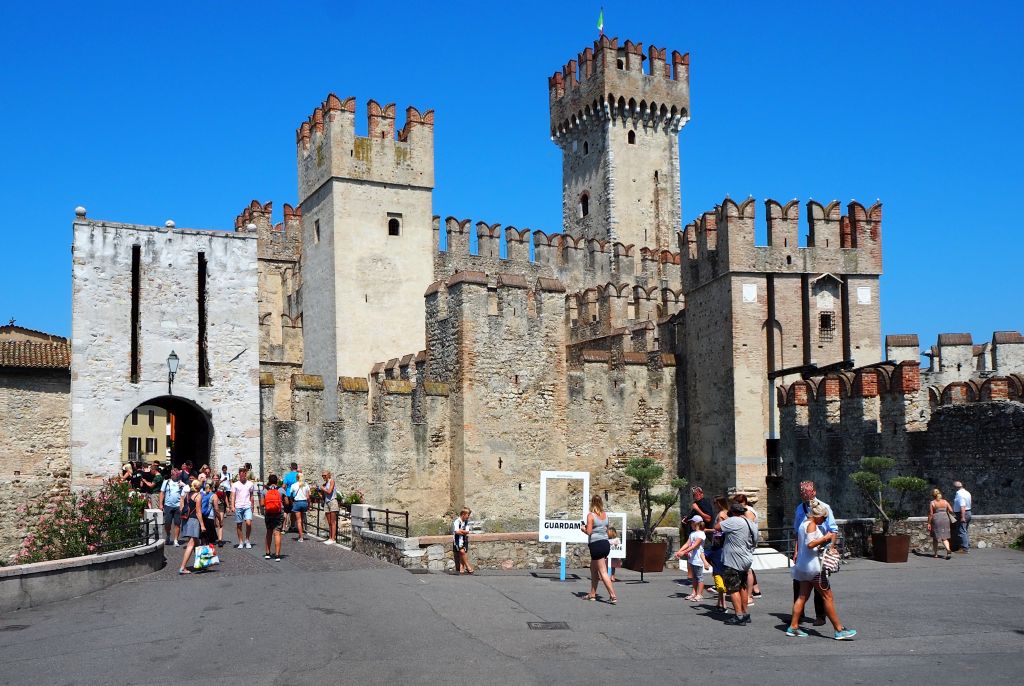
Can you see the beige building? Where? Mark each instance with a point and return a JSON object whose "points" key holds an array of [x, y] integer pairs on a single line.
{"points": [[145, 436]]}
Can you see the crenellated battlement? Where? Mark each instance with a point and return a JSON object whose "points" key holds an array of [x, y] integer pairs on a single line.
{"points": [[721, 241], [620, 309], [955, 357], [327, 145], [281, 241], [612, 82]]}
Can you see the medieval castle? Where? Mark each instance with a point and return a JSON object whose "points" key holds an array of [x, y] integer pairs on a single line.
{"points": [[363, 334]]}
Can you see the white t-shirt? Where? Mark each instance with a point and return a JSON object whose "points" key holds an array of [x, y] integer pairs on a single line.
{"points": [[963, 498], [242, 493], [458, 525], [225, 481], [693, 557], [299, 491], [808, 562]]}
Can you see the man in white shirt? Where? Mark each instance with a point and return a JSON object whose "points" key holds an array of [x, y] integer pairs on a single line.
{"points": [[460, 532], [962, 508], [241, 504]]}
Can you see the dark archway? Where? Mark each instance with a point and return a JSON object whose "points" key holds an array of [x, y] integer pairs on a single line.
{"points": [[191, 430]]}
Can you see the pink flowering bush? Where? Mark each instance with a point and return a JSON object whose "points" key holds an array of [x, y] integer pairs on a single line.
{"points": [[77, 524]]}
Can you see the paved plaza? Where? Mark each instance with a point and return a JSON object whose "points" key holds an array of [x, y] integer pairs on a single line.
{"points": [[327, 615]]}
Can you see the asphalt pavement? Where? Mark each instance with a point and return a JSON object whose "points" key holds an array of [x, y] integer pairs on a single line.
{"points": [[325, 615]]}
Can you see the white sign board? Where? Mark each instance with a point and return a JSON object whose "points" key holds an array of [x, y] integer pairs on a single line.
{"points": [[750, 292], [618, 520], [863, 295], [564, 502]]}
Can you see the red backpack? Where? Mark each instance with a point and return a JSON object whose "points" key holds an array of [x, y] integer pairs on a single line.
{"points": [[272, 502]]}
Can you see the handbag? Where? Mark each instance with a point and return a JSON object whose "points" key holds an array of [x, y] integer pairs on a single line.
{"points": [[829, 560]]}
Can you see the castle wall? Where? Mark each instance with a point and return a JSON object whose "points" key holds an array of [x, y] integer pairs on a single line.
{"points": [[968, 430], [35, 449], [393, 447], [102, 392]]}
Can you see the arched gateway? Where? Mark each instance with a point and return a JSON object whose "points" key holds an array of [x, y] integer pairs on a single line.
{"points": [[167, 320], [184, 427]]}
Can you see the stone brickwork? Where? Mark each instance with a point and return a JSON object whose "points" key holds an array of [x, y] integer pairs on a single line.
{"points": [[970, 429], [103, 391], [35, 456], [987, 531]]}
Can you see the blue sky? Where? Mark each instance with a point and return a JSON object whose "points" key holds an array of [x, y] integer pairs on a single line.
{"points": [[143, 112]]}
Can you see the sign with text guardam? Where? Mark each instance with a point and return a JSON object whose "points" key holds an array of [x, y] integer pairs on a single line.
{"points": [[564, 502]]}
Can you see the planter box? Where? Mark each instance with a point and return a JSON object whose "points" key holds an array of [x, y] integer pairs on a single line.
{"points": [[646, 557], [894, 548]]}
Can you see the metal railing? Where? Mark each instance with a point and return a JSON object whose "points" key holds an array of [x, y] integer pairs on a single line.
{"points": [[316, 524], [399, 529], [146, 531]]}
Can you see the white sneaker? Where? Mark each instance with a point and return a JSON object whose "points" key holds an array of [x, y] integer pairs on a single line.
{"points": [[239, 546], [248, 544], [328, 542]]}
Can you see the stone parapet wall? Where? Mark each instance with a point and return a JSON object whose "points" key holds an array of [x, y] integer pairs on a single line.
{"points": [[986, 531]]}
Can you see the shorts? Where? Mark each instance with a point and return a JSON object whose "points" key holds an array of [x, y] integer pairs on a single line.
{"points": [[463, 546], [599, 549], [172, 516], [243, 514], [333, 506], [300, 505], [734, 579], [275, 522]]}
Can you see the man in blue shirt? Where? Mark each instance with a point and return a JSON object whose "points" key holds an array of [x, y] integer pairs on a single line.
{"points": [[287, 481], [807, 494], [170, 502]]}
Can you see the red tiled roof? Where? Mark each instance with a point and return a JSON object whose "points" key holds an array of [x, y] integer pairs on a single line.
{"points": [[32, 355]]}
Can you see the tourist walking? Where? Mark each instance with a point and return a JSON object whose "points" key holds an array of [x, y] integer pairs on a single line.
{"points": [[273, 516], [596, 529], [220, 498], [614, 542], [693, 551], [241, 505], [193, 527], [171, 494], [940, 517], [209, 506], [739, 538], [962, 502], [808, 492], [287, 481], [299, 496], [331, 507], [700, 507], [811, 541], [753, 588], [151, 482], [460, 546]]}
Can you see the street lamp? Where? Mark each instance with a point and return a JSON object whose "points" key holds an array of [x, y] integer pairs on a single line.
{"points": [[172, 369]]}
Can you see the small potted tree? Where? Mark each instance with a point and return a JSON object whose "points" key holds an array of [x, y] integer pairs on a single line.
{"points": [[887, 498], [648, 554]]}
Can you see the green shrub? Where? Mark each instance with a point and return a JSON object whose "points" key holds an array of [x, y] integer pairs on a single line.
{"points": [[877, 491], [76, 524]]}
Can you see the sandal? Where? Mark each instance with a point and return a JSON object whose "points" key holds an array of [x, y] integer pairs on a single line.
{"points": [[184, 571], [590, 597], [697, 599], [613, 601]]}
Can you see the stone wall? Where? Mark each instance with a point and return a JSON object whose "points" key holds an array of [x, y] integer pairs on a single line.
{"points": [[35, 453], [103, 392], [986, 531]]}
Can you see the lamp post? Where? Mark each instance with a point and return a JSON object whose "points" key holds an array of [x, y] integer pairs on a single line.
{"points": [[172, 369]]}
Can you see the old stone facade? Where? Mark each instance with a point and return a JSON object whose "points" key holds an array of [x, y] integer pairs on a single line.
{"points": [[35, 458], [140, 293], [960, 419]]}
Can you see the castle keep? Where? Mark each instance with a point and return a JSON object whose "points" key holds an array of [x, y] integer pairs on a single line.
{"points": [[365, 335]]}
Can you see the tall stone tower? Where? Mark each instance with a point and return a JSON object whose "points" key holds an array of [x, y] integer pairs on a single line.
{"points": [[367, 233], [617, 122], [757, 316]]}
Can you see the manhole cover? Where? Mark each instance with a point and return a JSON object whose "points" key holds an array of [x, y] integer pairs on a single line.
{"points": [[14, 627], [548, 626]]}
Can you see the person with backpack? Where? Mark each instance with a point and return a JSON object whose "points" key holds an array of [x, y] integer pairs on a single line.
{"points": [[273, 515], [194, 527], [209, 504], [739, 539], [171, 493]]}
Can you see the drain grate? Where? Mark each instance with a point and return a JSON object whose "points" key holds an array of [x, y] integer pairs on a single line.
{"points": [[548, 626]]}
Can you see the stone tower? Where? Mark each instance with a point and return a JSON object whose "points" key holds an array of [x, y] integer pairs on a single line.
{"points": [[367, 232], [617, 122], [754, 312]]}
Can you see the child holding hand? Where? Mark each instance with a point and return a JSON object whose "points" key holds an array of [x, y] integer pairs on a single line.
{"points": [[693, 550]]}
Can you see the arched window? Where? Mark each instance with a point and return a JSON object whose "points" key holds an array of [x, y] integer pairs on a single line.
{"points": [[584, 205], [394, 224], [631, 137]]}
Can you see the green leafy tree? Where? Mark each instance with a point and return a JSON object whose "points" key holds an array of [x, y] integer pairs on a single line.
{"points": [[646, 473], [880, 493]]}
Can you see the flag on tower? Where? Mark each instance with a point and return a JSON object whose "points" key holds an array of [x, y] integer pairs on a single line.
{"points": [[600, 21]]}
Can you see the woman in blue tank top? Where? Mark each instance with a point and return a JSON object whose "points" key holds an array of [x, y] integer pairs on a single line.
{"points": [[596, 529]]}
